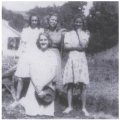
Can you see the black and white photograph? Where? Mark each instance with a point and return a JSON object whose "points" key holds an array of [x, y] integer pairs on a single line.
{"points": [[60, 59]]}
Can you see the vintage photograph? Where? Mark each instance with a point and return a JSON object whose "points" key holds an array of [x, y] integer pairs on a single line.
{"points": [[60, 60]]}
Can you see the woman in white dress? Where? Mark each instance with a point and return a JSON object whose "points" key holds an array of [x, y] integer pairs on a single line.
{"points": [[76, 68], [41, 66], [29, 36]]}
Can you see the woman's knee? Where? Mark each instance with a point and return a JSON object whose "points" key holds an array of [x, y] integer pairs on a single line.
{"points": [[83, 86]]}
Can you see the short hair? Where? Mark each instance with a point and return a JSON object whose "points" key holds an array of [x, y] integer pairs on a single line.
{"points": [[45, 34]]}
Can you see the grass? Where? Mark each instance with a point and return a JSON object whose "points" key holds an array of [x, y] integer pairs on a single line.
{"points": [[102, 96]]}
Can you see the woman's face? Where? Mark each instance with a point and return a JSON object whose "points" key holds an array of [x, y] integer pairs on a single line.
{"points": [[78, 23], [43, 42], [53, 21], [34, 21]]}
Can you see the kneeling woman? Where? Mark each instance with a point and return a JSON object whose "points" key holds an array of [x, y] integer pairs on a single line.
{"points": [[41, 66]]}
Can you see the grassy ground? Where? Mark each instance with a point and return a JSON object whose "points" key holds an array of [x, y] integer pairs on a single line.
{"points": [[102, 96]]}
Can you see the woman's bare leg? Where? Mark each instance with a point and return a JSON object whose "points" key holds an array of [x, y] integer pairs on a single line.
{"points": [[83, 98], [18, 93], [69, 99], [19, 88]]}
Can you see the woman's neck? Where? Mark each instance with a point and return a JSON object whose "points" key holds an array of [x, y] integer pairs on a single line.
{"points": [[78, 29], [33, 27], [52, 29], [44, 50]]}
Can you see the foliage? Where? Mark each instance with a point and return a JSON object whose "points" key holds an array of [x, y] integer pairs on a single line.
{"points": [[69, 10], [103, 26], [16, 20]]}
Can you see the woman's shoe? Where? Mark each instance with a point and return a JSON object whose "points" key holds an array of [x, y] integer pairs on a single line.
{"points": [[85, 112], [14, 104], [68, 110]]}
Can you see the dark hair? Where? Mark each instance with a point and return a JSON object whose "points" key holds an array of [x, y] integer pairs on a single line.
{"points": [[82, 18], [30, 17], [58, 22], [45, 34], [53, 14]]}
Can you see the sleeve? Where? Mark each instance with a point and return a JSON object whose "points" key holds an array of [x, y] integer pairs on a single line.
{"points": [[23, 43]]}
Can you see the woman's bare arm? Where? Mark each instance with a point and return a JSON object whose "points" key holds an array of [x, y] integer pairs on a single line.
{"points": [[70, 48]]}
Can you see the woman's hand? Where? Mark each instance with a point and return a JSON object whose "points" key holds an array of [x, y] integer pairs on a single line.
{"points": [[41, 93]]}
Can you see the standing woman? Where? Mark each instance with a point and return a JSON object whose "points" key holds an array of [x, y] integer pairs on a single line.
{"points": [[76, 68], [56, 35], [28, 44]]}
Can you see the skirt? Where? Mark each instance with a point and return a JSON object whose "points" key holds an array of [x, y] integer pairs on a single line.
{"points": [[76, 69], [23, 70]]}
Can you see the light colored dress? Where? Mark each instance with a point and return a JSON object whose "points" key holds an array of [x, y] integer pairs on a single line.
{"points": [[29, 37], [76, 68], [42, 69]]}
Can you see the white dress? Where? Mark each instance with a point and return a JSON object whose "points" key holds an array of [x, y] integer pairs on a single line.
{"points": [[76, 68], [42, 69], [29, 37]]}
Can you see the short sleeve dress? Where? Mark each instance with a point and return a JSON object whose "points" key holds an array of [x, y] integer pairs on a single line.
{"points": [[76, 68]]}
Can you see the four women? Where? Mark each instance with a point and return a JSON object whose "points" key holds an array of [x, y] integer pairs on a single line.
{"points": [[42, 63]]}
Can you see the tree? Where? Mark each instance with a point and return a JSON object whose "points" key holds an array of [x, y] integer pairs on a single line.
{"points": [[69, 10], [103, 26], [7, 14], [15, 20]]}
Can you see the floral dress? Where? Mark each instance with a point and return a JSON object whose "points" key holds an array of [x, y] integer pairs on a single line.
{"points": [[76, 68]]}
